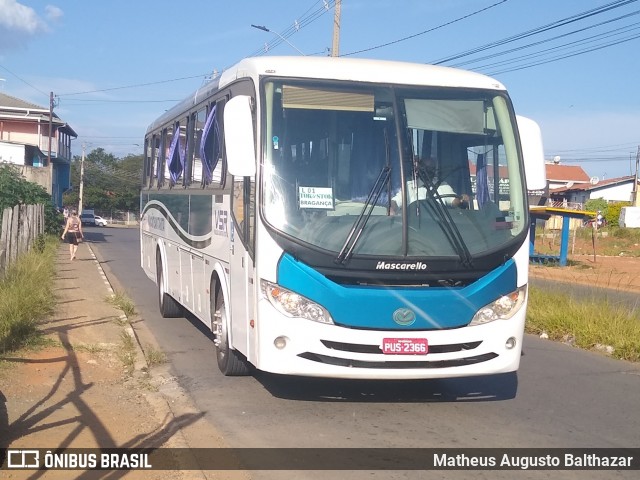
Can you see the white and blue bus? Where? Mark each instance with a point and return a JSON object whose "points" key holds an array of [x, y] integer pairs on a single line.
{"points": [[344, 218]]}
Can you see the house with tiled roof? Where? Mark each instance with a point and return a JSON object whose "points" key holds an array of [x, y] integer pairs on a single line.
{"points": [[38, 142], [612, 190], [570, 185], [560, 176]]}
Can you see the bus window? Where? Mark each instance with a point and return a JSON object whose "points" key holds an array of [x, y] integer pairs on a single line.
{"points": [[175, 157], [238, 204], [211, 147], [161, 155], [168, 134], [146, 171], [244, 199], [198, 127], [189, 150], [155, 160]]}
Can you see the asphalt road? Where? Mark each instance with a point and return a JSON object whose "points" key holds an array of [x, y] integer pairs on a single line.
{"points": [[561, 397]]}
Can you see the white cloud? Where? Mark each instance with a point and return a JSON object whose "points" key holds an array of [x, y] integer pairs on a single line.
{"points": [[19, 24], [53, 13]]}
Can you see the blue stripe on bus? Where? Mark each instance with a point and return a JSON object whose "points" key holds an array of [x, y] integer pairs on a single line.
{"points": [[373, 307]]}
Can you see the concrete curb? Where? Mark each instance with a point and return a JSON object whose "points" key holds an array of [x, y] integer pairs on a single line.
{"points": [[159, 402]]}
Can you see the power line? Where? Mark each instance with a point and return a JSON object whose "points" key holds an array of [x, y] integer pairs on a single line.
{"points": [[563, 57], [602, 148], [132, 86], [92, 103], [547, 40], [426, 31], [113, 173], [96, 136], [565, 46], [306, 19], [24, 81], [537, 30]]}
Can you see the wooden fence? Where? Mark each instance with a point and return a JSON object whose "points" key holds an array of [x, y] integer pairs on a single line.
{"points": [[21, 225]]}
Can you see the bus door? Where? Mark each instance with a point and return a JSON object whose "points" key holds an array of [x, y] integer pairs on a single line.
{"points": [[241, 263]]}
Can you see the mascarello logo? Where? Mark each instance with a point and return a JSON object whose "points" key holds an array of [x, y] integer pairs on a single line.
{"points": [[401, 266], [404, 317]]}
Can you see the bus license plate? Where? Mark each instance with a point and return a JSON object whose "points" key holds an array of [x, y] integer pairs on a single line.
{"points": [[405, 346]]}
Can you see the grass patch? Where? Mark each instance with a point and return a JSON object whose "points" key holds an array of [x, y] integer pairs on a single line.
{"points": [[123, 302], [154, 356], [89, 348], [127, 353], [590, 323], [609, 241], [26, 296]]}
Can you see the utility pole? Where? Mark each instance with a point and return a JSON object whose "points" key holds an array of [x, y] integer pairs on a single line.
{"points": [[636, 197], [81, 182], [336, 30], [50, 126]]}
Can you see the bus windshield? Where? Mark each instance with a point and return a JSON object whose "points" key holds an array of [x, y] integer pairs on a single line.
{"points": [[392, 170]]}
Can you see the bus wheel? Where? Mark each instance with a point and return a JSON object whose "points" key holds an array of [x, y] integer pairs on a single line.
{"points": [[169, 307], [230, 362]]}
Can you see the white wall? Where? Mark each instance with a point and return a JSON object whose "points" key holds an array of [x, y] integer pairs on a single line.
{"points": [[11, 153], [615, 193]]}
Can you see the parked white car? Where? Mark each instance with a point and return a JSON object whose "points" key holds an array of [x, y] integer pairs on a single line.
{"points": [[100, 222]]}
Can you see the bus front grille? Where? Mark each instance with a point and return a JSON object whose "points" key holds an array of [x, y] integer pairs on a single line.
{"points": [[404, 364], [375, 349]]}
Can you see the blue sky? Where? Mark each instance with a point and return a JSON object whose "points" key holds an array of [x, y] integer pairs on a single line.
{"points": [[116, 65]]}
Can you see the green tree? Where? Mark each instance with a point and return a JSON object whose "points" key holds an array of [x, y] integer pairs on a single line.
{"points": [[613, 213], [597, 205], [15, 190], [109, 182]]}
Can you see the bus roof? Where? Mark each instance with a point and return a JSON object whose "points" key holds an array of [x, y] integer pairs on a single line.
{"points": [[358, 70], [332, 68]]}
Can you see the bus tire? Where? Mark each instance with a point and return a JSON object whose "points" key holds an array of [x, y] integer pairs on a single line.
{"points": [[230, 362], [169, 307]]}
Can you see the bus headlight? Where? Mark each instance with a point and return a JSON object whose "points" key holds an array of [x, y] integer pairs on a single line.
{"points": [[292, 304], [502, 309]]}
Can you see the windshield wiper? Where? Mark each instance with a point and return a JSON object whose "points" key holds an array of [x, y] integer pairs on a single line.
{"points": [[450, 229], [363, 218]]}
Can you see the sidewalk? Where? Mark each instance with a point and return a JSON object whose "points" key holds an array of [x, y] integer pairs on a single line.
{"points": [[87, 389]]}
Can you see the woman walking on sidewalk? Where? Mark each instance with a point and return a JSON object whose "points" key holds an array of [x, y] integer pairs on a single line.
{"points": [[73, 233]]}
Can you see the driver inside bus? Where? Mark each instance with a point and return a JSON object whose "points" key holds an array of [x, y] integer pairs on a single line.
{"points": [[427, 171]]}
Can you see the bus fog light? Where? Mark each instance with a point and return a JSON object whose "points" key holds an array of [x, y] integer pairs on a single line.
{"points": [[510, 343], [280, 342]]}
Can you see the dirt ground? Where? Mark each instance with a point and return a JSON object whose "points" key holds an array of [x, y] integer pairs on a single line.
{"points": [[609, 272], [615, 264], [94, 386]]}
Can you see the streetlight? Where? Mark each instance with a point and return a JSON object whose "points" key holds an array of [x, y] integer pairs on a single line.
{"points": [[265, 29]]}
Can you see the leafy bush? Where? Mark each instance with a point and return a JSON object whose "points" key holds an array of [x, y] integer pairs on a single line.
{"points": [[613, 213], [595, 204], [15, 190]]}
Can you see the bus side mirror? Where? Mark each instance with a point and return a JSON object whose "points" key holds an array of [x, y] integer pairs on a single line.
{"points": [[238, 137], [533, 153]]}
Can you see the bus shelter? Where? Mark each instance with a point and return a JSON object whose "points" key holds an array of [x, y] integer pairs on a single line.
{"points": [[543, 213]]}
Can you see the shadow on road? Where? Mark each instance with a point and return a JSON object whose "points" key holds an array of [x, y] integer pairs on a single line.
{"points": [[469, 389]]}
